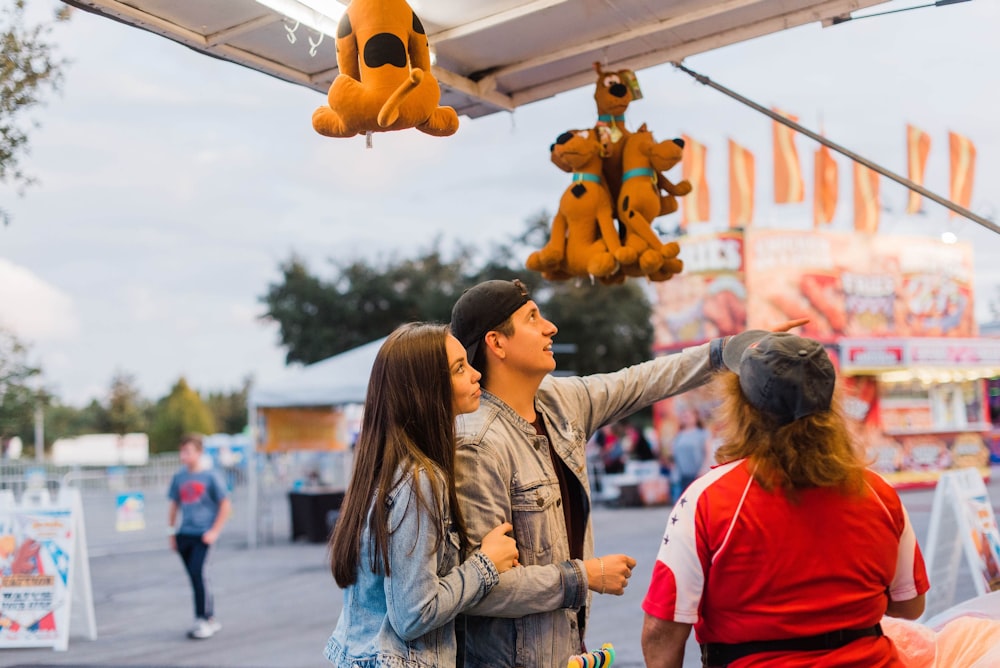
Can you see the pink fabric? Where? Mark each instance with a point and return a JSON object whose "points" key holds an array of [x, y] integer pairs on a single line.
{"points": [[963, 642]]}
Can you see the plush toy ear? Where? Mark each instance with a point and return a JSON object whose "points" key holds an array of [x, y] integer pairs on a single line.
{"points": [[597, 68], [642, 128]]}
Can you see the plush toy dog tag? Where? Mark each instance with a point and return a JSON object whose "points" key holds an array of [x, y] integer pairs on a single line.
{"points": [[633, 83]]}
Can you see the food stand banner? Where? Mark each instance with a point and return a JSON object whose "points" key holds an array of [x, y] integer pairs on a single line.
{"points": [[849, 285], [868, 355], [859, 285], [706, 300], [288, 429]]}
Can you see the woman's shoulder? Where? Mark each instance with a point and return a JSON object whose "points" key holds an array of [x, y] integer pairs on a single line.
{"points": [[415, 477]]}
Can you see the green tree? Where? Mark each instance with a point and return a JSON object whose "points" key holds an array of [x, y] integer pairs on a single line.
{"points": [[17, 396], [180, 412], [609, 325], [29, 67], [230, 408], [63, 421], [126, 410], [363, 302]]}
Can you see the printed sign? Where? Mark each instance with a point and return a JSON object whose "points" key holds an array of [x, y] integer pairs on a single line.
{"points": [[130, 513], [43, 560]]}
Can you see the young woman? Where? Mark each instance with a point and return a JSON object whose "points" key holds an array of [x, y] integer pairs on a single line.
{"points": [[398, 547]]}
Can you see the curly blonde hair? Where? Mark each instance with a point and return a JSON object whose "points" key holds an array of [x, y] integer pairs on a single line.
{"points": [[813, 451]]}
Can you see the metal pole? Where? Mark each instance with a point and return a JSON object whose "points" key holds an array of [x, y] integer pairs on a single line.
{"points": [[39, 432], [252, 478], [962, 211]]}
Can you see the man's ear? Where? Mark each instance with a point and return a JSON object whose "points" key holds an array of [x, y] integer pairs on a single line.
{"points": [[495, 343]]}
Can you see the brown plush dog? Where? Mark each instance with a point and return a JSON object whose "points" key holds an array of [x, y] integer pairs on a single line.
{"points": [[583, 240], [613, 95], [640, 201], [385, 81]]}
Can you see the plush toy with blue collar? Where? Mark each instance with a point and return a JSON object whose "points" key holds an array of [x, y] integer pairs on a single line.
{"points": [[583, 240]]}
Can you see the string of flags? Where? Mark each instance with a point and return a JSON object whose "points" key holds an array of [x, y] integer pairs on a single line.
{"points": [[789, 185]]}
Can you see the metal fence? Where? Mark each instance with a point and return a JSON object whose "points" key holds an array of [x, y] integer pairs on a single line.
{"points": [[261, 513]]}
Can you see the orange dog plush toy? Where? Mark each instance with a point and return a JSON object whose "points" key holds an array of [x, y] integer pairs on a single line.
{"points": [[640, 201], [583, 240], [614, 93], [385, 81]]}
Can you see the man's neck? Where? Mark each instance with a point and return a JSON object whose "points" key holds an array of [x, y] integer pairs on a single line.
{"points": [[518, 393]]}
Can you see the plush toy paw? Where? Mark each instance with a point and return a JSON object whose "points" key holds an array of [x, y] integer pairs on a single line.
{"points": [[626, 255], [329, 123], [602, 264], [650, 262]]}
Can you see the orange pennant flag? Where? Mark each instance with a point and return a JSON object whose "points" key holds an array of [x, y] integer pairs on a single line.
{"points": [[696, 203], [741, 185], [963, 170], [866, 201], [918, 145], [788, 184], [827, 185]]}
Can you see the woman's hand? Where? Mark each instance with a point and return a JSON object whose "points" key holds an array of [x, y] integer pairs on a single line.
{"points": [[500, 548]]}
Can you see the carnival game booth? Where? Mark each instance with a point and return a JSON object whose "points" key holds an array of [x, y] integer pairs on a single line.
{"points": [[894, 312], [304, 426]]}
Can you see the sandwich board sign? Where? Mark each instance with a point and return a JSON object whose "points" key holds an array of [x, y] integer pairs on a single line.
{"points": [[962, 522], [44, 570]]}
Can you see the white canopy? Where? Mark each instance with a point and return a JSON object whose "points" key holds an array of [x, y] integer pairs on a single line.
{"points": [[337, 380], [492, 55]]}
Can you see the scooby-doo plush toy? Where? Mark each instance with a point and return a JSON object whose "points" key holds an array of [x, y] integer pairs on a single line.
{"points": [[583, 241], [385, 81], [613, 94], [640, 201]]}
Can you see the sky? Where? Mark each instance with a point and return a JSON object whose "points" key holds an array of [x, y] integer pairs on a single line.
{"points": [[173, 185]]}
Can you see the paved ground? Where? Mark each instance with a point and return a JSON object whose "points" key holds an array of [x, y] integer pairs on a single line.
{"points": [[278, 603]]}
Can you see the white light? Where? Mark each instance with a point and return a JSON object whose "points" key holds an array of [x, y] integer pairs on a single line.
{"points": [[949, 237], [321, 15]]}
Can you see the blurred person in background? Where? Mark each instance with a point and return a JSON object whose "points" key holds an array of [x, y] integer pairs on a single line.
{"points": [[198, 492]]}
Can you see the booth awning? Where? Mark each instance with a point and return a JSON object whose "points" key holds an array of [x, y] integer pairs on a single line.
{"points": [[335, 381], [492, 55]]}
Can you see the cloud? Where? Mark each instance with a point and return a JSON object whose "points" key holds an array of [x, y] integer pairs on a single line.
{"points": [[32, 308]]}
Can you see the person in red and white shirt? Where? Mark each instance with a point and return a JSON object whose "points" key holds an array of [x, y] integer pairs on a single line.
{"points": [[790, 551]]}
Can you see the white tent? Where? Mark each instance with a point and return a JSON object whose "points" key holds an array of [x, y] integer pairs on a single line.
{"points": [[341, 379]]}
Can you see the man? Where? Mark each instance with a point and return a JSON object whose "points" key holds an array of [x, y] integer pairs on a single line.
{"points": [[521, 458], [790, 551]]}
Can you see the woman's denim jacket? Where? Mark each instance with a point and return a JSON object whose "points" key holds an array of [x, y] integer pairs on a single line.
{"points": [[504, 473], [408, 618]]}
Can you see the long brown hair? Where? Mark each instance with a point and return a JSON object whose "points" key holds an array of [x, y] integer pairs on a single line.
{"points": [[408, 423], [814, 451]]}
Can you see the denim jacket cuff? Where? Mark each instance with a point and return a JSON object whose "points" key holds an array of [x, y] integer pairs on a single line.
{"points": [[574, 584], [488, 572], [715, 353]]}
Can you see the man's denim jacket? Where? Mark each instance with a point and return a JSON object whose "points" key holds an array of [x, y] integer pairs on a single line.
{"points": [[504, 473], [408, 619]]}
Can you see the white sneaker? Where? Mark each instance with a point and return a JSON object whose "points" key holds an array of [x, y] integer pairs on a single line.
{"points": [[202, 629], [215, 624]]}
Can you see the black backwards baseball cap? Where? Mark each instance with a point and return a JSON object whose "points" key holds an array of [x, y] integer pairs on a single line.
{"points": [[482, 308], [781, 374]]}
